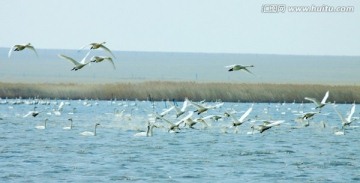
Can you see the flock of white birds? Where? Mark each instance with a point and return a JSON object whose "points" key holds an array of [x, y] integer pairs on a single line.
{"points": [[80, 64], [77, 64], [173, 118]]}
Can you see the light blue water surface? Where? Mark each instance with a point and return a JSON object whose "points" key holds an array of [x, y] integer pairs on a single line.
{"points": [[286, 153]]}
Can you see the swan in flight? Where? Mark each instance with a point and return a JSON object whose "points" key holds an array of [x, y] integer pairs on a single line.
{"points": [[71, 125], [87, 133], [41, 127], [181, 111], [241, 120], [20, 47], [97, 46], [201, 108], [266, 125], [175, 126], [237, 67], [78, 65], [149, 131], [98, 59], [348, 120], [318, 104], [33, 113]]}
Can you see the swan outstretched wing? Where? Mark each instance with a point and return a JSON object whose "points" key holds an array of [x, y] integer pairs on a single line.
{"points": [[341, 117], [107, 49], [323, 101], [10, 51], [246, 114], [316, 102], [185, 104], [247, 70], [274, 123], [33, 49], [352, 111], [112, 62], [167, 111], [185, 118], [84, 59], [69, 59]]}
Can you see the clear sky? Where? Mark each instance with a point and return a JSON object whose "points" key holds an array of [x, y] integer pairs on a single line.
{"points": [[228, 26]]}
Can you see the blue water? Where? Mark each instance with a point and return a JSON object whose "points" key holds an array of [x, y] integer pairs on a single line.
{"points": [[286, 153]]}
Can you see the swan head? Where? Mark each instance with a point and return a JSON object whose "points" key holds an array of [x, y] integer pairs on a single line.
{"points": [[97, 124], [70, 119]]}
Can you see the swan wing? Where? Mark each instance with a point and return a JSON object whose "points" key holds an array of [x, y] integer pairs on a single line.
{"points": [[10, 51], [242, 118], [167, 111], [341, 117], [312, 100], [352, 111], [83, 61], [247, 70], [112, 62], [323, 101], [185, 118], [28, 114], [33, 49], [69, 59], [61, 106], [162, 118], [274, 123], [107, 49], [197, 105], [185, 104]]}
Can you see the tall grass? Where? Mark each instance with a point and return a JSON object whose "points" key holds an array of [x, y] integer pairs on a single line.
{"points": [[162, 90]]}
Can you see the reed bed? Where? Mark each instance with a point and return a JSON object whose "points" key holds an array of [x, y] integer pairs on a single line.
{"points": [[163, 90]]}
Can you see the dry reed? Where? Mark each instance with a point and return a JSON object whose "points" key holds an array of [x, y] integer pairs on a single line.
{"points": [[163, 90]]}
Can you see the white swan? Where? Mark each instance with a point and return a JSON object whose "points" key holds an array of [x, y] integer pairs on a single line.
{"points": [[318, 104], [71, 125], [348, 120], [266, 125], [98, 59], [20, 47], [175, 126], [33, 113], [42, 127], [78, 65], [88, 133], [181, 111], [148, 133], [201, 108], [98, 45], [241, 120], [237, 67]]}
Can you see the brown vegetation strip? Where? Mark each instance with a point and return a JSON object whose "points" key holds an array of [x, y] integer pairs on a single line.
{"points": [[162, 90]]}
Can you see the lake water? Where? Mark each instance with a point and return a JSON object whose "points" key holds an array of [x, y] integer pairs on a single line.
{"points": [[285, 153]]}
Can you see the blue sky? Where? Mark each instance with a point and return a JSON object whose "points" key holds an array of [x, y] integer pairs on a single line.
{"points": [[214, 26]]}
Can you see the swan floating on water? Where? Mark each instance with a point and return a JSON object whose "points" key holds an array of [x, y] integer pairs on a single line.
{"points": [[149, 131], [88, 133], [71, 125], [78, 65], [20, 47], [42, 127]]}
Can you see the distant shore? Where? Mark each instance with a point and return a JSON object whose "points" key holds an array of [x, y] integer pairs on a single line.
{"points": [[167, 90]]}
